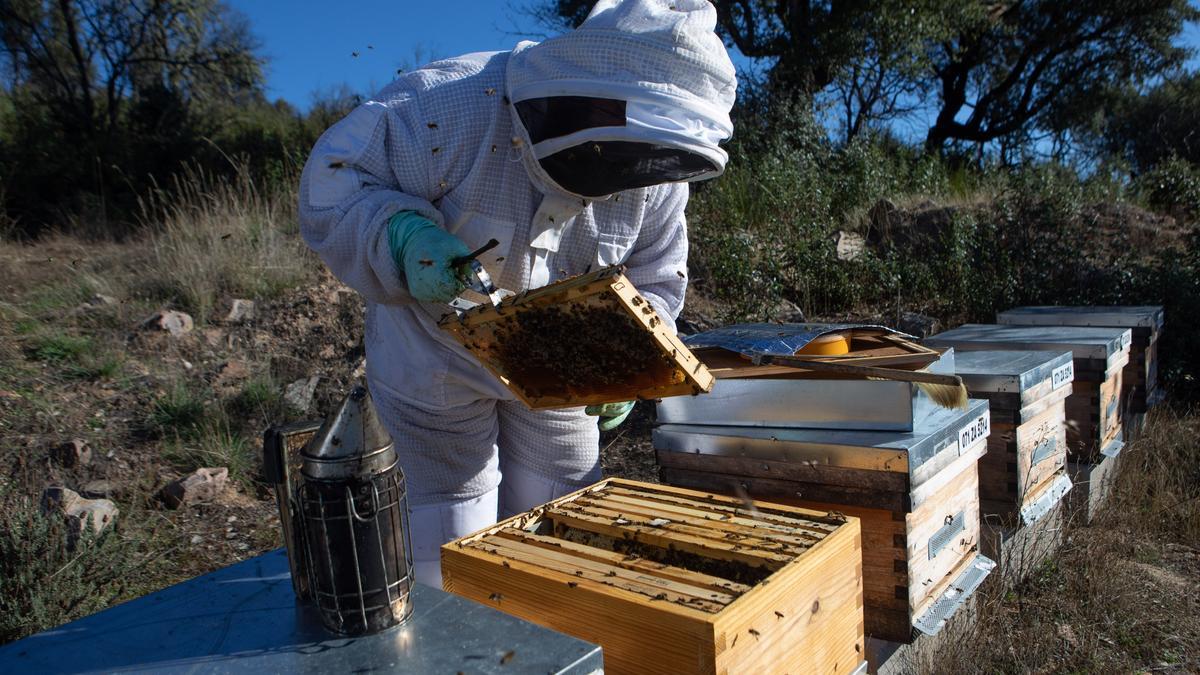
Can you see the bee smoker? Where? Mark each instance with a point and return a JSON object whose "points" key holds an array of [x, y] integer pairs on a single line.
{"points": [[347, 523]]}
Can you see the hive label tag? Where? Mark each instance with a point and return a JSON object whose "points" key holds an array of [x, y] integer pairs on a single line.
{"points": [[1062, 375], [979, 428]]}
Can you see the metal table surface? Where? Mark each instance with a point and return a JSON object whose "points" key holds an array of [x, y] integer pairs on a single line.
{"points": [[245, 618]]}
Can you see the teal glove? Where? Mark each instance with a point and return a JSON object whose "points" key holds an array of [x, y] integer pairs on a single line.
{"points": [[424, 251], [611, 414]]}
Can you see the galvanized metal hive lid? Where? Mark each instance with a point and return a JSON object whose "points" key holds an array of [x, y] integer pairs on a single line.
{"points": [[1085, 342], [778, 339], [1124, 316], [902, 451], [352, 441], [1008, 371]]}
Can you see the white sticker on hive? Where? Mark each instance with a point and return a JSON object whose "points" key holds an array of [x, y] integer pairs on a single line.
{"points": [[979, 428], [1063, 374]]}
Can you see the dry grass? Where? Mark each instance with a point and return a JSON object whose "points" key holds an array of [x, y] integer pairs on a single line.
{"points": [[218, 237], [1123, 593]]}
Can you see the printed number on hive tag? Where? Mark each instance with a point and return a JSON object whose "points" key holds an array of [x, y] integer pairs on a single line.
{"points": [[1062, 375], [970, 434]]}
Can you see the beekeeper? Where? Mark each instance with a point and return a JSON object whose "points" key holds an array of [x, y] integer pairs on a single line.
{"points": [[574, 153]]}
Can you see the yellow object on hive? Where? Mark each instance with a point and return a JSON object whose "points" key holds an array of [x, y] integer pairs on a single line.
{"points": [[831, 344]]}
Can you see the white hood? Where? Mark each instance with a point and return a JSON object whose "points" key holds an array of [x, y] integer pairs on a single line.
{"points": [[662, 57]]}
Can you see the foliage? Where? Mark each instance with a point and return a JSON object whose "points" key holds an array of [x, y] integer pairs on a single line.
{"points": [[44, 581], [942, 239], [1173, 186], [224, 236], [1147, 128], [1023, 64]]}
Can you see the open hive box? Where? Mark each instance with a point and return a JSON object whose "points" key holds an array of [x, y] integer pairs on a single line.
{"points": [[583, 341], [676, 581], [780, 396], [916, 494]]}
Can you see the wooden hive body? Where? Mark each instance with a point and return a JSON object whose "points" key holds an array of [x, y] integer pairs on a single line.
{"points": [[1024, 472], [915, 493], [1093, 409], [676, 581], [1140, 388], [583, 341]]}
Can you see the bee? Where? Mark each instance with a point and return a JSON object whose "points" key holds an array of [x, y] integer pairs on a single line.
{"points": [[425, 262], [436, 150], [354, 54], [508, 656], [490, 91], [432, 125], [754, 633]]}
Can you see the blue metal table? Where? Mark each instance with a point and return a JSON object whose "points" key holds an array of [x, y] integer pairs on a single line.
{"points": [[245, 618]]}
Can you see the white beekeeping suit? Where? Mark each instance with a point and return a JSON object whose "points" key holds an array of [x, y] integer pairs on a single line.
{"points": [[572, 153]]}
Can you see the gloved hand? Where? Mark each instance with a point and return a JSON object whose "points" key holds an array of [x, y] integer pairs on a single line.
{"points": [[424, 251], [611, 414]]}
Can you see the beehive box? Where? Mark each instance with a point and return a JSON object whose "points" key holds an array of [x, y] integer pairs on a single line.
{"points": [[1140, 377], [1093, 408], [1024, 473], [790, 398], [582, 341], [676, 581], [916, 493]]}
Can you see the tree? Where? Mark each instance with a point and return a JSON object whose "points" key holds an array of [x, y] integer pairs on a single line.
{"points": [[1017, 65], [107, 91]]}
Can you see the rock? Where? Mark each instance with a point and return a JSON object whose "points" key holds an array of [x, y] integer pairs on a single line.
{"points": [[79, 512], [99, 489], [919, 325], [101, 300], [171, 321], [241, 311], [299, 394], [850, 245], [73, 453], [200, 487], [787, 312], [228, 374]]}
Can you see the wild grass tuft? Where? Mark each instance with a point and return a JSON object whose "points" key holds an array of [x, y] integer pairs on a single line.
{"points": [[224, 237], [182, 413]]}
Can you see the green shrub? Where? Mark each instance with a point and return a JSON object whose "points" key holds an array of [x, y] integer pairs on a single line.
{"points": [[45, 582]]}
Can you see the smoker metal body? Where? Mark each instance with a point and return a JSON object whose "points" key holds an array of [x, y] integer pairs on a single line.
{"points": [[344, 512], [245, 619], [806, 403]]}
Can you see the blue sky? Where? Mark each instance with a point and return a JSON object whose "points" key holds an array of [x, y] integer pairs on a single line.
{"points": [[310, 44]]}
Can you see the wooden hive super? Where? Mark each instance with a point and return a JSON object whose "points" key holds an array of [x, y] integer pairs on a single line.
{"points": [[1024, 472], [1023, 478], [676, 581], [1094, 406], [916, 493], [1140, 377], [582, 341]]}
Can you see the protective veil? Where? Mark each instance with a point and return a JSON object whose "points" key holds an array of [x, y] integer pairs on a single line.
{"points": [[450, 142]]}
